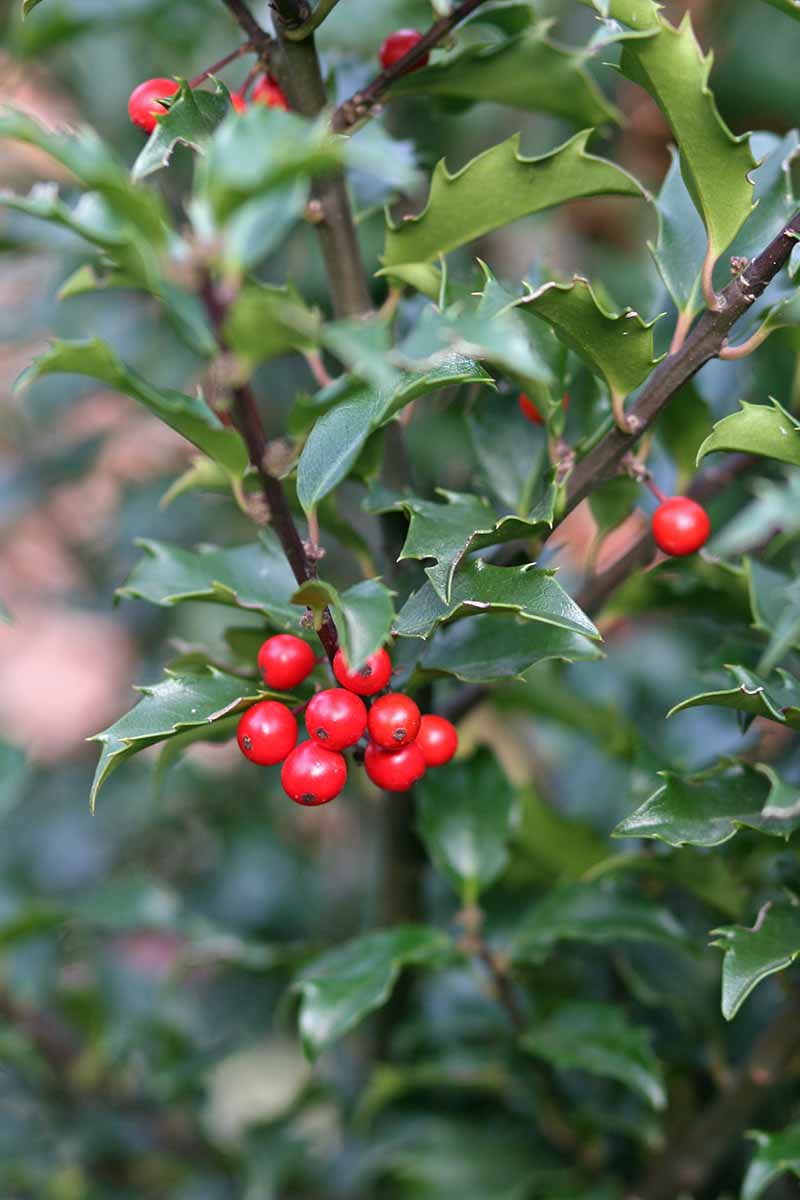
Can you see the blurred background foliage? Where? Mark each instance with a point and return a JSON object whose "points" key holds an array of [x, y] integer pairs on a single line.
{"points": [[147, 1044]]}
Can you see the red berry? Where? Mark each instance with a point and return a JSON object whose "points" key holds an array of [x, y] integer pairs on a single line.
{"points": [[336, 718], [437, 739], [238, 101], [394, 770], [680, 526], [284, 661], [266, 733], [268, 91], [144, 103], [531, 412], [397, 46], [313, 775], [367, 680], [393, 721]]}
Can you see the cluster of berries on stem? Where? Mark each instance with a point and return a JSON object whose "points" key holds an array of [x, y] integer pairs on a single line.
{"points": [[401, 743]]}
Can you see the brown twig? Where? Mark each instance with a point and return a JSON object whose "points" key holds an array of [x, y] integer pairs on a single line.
{"points": [[245, 48], [247, 22], [361, 104], [474, 943]]}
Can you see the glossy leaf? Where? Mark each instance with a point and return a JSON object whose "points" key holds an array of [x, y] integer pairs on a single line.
{"points": [[756, 429], [266, 321], [612, 502], [753, 954], [599, 1039], [339, 436], [529, 72], [344, 985], [775, 603], [710, 808], [189, 415], [497, 646], [592, 912], [777, 1153], [617, 346], [166, 708], [363, 613], [530, 591], [777, 699], [190, 120], [680, 247], [464, 814], [255, 577], [509, 449], [448, 531], [498, 187], [790, 7]]}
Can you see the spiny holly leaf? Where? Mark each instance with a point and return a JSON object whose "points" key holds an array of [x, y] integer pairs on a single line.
{"points": [[189, 415], [530, 591], [342, 986], [790, 7], [529, 71], [464, 815], [777, 1152], [98, 169], [255, 577], [266, 321], [496, 188], [775, 603], [753, 954], [670, 65], [463, 523], [776, 508], [28, 6], [364, 613], [757, 429], [177, 703], [339, 436], [618, 346], [190, 119], [592, 912], [777, 699], [600, 1039], [510, 450], [496, 646], [260, 225], [710, 808]]}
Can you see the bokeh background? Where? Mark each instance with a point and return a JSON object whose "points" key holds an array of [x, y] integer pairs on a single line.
{"points": [[147, 1046]]}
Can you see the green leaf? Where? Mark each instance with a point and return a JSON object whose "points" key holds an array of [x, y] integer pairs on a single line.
{"points": [[363, 614], [254, 577], [98, 169], [338, 437], [260, 225], [617, 346], [776, 507], [599, 1039], [189, 415], [202, 475], [190, 119], [529, 72], [711, 807], [775, 603], [753, 954], [463, 523], [777, 700], [28, 6], [777, 1152], [681, 244], [346, 984], [266, 321], [509, 449], [175, 704], [592, 912], [790, 7], [498, 187], [496, 646], [671, 66], [464, 814], [756, 429], [550, 843], [530, 591]]}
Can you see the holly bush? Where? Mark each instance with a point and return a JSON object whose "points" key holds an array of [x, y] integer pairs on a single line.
{"points": [[481, 326]]}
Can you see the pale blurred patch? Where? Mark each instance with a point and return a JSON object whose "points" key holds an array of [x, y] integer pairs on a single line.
{"points": [[258, 1083], [32, 90]]}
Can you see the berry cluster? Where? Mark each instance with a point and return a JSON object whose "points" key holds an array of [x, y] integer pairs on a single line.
{"points": [[401, 742]]}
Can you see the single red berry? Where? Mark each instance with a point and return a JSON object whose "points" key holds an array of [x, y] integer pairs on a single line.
{"points": [[266, 733], [680, 526], [394, 770], [367, 680], [393, 721], [437, 739], [238, 101], [336, 718], [313, 775], [397, 46], [145, 104], [284, 661], [531, 412], [268, 91]]}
